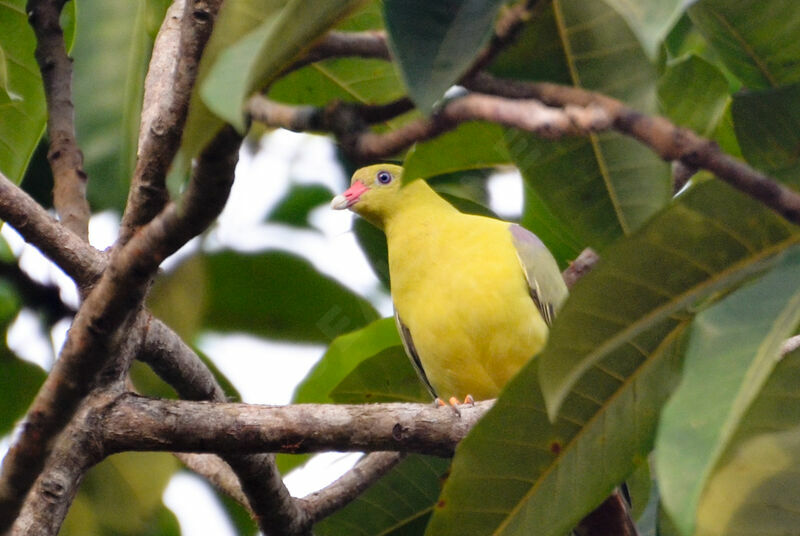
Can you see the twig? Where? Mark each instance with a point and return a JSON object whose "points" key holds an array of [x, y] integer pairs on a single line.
{"points": [[167, 90], [669, 141], [368, 470], [369, 44], [218, 473], [112, 303], [66, 159], [365, 146]]}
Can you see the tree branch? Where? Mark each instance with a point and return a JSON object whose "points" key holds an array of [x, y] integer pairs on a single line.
{"points": [[137, 423], [348, 487], [66, 159], [669, 141], [113, 303], [167, 91]]}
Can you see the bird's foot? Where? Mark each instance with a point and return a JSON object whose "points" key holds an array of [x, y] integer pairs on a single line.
{"points": [[439, 403]]}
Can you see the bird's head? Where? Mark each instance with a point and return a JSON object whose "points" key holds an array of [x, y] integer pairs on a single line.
{"points": [[374, 194]]}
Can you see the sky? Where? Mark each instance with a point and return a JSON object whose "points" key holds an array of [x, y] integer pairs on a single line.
{"points": [[264, 372]]}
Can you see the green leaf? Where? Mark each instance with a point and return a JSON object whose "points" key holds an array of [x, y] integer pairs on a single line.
{"points": [[343, 356], [541, 477], [756, 39], [398, 504], [298, 203], [708, 241], [258, 57], [385, 377], [650, 20], [23, 112], [111, 58], [372, 242], [552, 230], [767, 126], [119, 497], [19, 383], [605, 186], [733, 348], [272, 294], [693, 94], [753, 489], [474, 145], [434, 43]]}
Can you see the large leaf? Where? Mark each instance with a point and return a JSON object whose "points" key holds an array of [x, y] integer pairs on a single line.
{"points": [[111, 54], [23, 112], [19, 383], [693, 94], [753, 489], [708, 241], [434, 43], [470, 146], [732, 351], [254, 41], [344, 354], [757, 39], [650, 20], [603, 186], [767, 126], [385, 377], [399, 504], [298, 203], [272, 294], [541, 477]]}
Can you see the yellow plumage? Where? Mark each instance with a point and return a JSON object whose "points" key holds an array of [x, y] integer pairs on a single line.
{"points": [[458, 285]]}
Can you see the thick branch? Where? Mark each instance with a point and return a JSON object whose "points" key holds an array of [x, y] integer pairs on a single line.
{"points": [[66, 159], [114, 301], [168, 87], [137, 423]]}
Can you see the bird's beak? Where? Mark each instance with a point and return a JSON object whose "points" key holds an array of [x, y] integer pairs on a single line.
{"points": [[349, 197]]}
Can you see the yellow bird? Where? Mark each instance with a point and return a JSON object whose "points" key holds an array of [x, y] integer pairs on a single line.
{"points": [[473, 296]]}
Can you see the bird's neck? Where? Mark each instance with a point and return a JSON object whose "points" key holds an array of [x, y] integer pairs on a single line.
{"points": [[420, 206]]}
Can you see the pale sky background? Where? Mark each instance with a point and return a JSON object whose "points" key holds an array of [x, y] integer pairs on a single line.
{"points": [[264, 372]]}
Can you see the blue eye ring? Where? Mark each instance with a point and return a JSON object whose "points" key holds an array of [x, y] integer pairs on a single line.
{"points": [[384, 177]]}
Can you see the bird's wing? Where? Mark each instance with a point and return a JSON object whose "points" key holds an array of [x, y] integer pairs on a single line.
{"points": [[545, 283], [411, 350]]}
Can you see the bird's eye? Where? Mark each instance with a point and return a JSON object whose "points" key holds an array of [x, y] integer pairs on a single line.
{"points": [[384, 177]]}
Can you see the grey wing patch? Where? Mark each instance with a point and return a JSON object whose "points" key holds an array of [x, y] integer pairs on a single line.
{"points": [[411, 351], [545, 284]]}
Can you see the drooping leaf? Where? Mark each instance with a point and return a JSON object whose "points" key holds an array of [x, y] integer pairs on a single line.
{"points": [[693, 94], [111, 56], [298, 203], [23, 112], [767, 127], [385, 377], [756, 39], [434, 43], [604, 186], [733, 348], [470, 146], [541, 477], [650, 20], [399, 504], [253, 42], [708, 241]]}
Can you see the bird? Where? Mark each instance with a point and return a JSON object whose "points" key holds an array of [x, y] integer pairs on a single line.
{"points": [[474, 297]]}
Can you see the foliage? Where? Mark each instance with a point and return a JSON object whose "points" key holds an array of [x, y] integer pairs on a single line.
{"points": [[668, 352]]}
